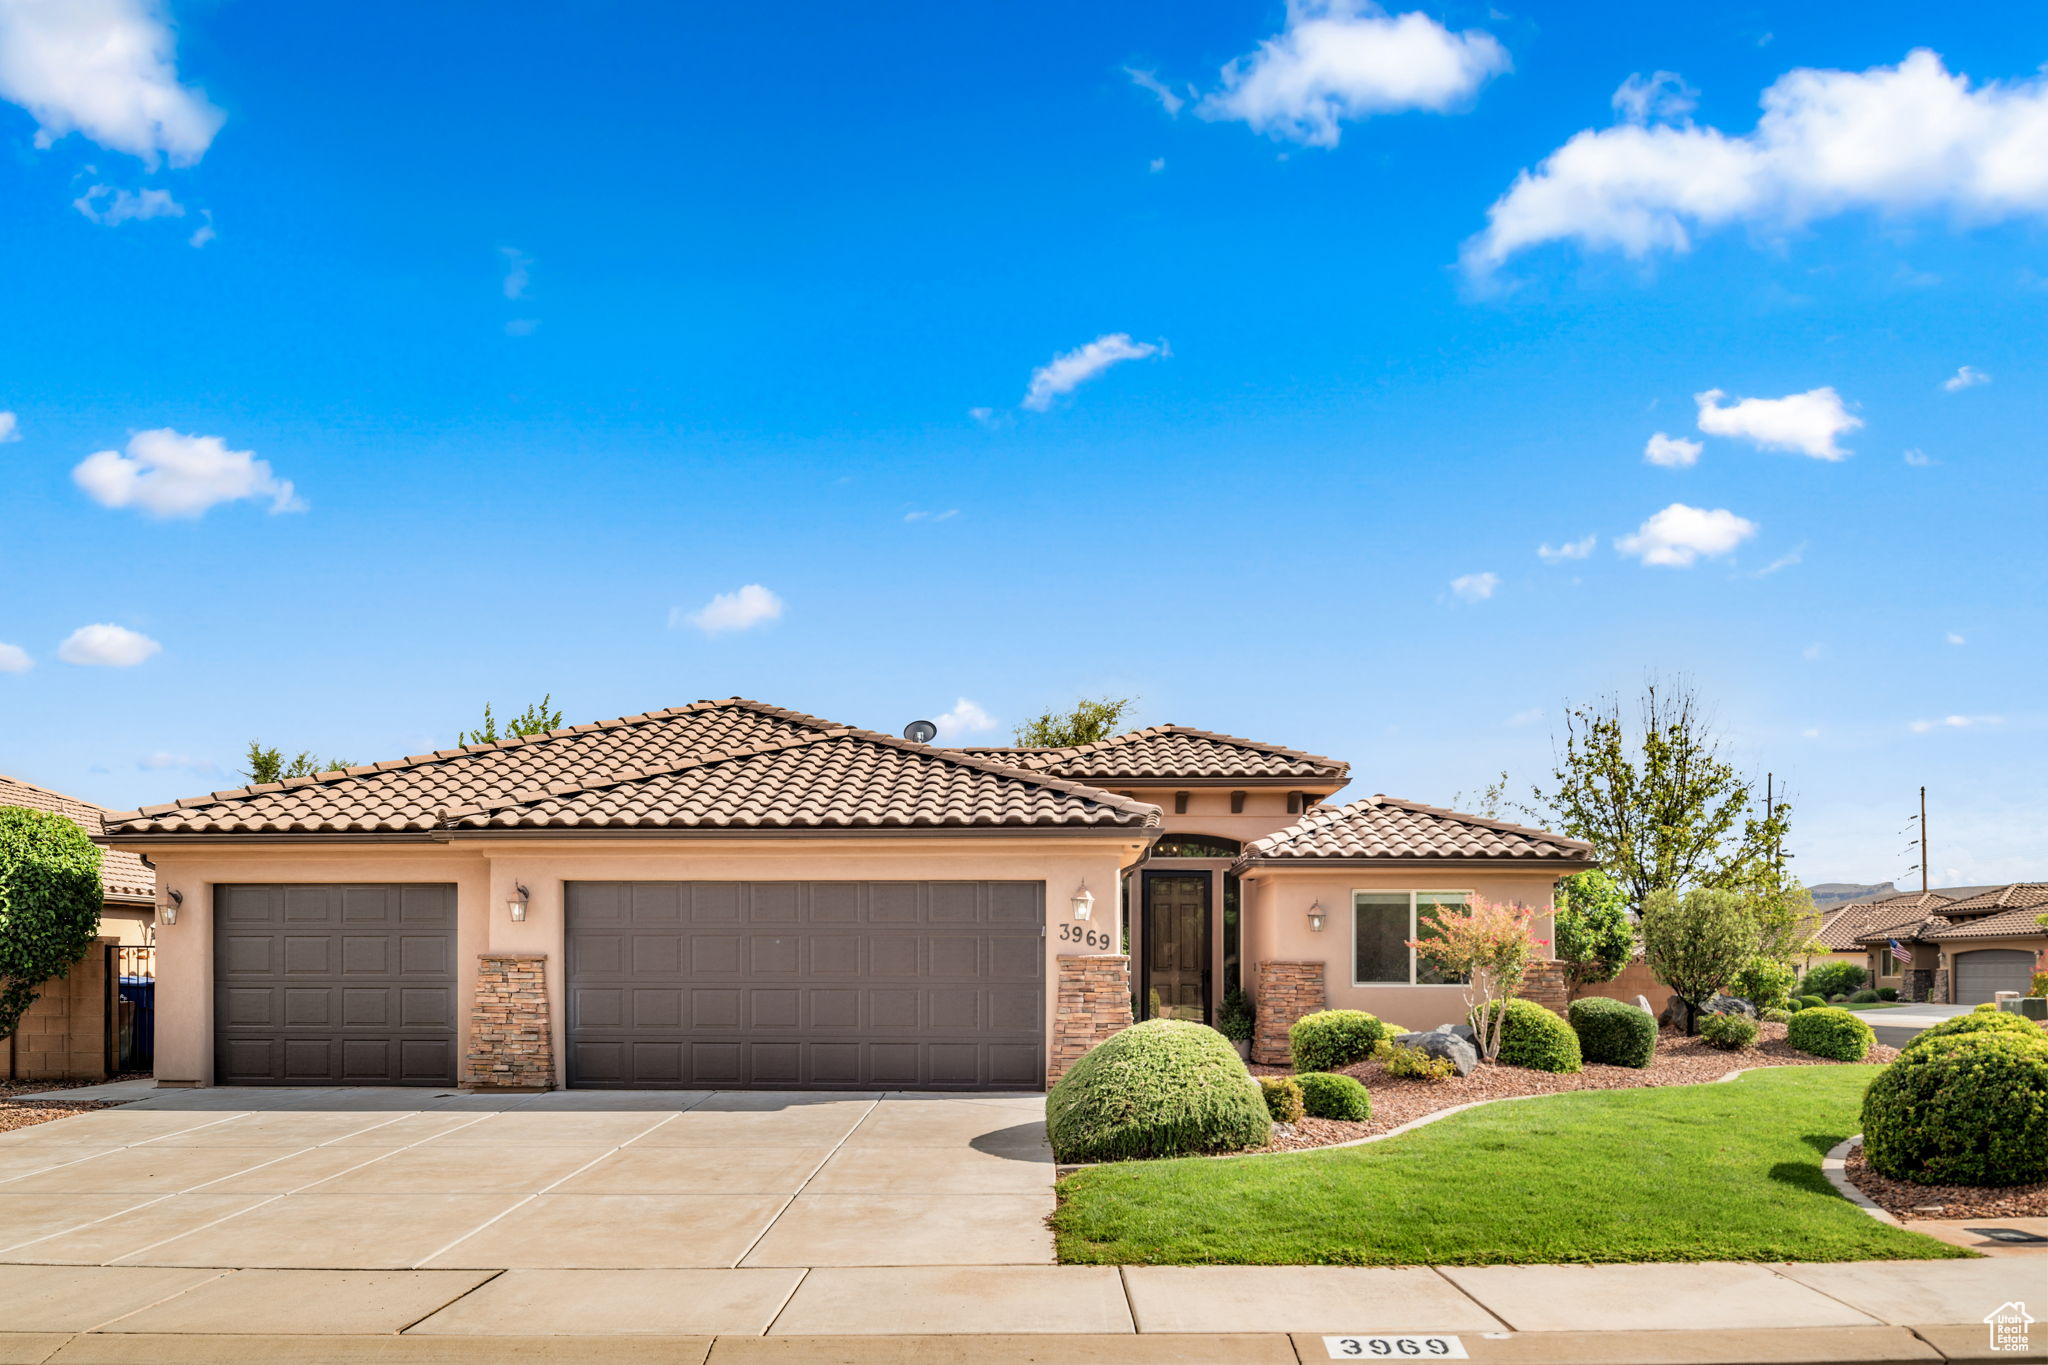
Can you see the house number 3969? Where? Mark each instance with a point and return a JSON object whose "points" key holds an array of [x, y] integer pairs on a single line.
{"points": [[1082, 934]]}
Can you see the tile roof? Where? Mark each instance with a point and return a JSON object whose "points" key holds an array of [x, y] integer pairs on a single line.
{"points": [[1845, 926], [124, 875], [713, 764], [1381, 827], [1174, 752], [2013, 896], [2014, 911]]}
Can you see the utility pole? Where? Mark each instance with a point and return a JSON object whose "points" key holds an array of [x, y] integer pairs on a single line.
{"points": [[1923, 841]]}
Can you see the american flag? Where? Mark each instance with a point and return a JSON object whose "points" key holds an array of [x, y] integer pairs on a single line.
{"points": [[1900, 953]]}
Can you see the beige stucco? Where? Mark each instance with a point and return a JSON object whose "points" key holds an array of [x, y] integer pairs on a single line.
{"points": [[485, 872], [128, 925]]}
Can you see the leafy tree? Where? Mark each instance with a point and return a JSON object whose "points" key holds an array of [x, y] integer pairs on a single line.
{"points": [[1489, 944], [49, 904], [1662, 809], [1696, 942], [1086, 723], [270, 765], [1489, 801], [1595, 937], [536, 719]]}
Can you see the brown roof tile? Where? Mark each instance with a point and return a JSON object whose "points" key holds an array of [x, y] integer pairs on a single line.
{"points": [[123, 875], [1173, 753], [2012, 896], [2015, 912], [1846, 926], [1381, 827]]}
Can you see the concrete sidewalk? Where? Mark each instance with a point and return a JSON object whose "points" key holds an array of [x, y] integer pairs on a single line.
{"points": [[1148, 1315]]}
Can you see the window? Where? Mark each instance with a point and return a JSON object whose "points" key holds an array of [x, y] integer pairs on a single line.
{"points": [[1195, 846], [1382, 923], [1887, 965]]}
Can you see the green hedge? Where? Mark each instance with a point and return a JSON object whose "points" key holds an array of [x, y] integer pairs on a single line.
{"points": [[1965, 1024], [1165, 1087], [1887, 992], [1810, 1002], [1330, 1096], [1284, 1101], [1830, 1032], [1535, 1037], [1729, 1032], [1329, 1039], [1614, 1032], [1833, 978], [1864, 997], [1965, 1109]]}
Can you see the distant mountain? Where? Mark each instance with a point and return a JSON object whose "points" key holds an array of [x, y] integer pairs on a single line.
{"points": [[1839, 893]]}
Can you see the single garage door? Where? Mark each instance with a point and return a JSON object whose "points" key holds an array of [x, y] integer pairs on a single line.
{"points": [[1981, 974], [807, 985], [334, 985]]}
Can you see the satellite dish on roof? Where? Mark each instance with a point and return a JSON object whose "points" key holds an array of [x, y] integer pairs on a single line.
{"points": [[920, 732]]}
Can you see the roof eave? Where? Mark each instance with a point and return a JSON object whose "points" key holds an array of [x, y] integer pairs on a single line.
{"points": [[1562, 865], [1145, 833]]}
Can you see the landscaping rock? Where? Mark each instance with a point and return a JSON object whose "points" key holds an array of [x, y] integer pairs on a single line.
{"points": [[1445, 1043], [1677, 1014], [1643, 1004], [1729, 1004]]}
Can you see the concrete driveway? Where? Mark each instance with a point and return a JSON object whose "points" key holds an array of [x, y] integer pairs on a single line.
{"points": [[389, 1180], [1897, 1027]]}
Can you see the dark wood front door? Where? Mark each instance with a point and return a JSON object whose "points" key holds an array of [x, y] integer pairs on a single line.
{"points": [[1175, 974]]}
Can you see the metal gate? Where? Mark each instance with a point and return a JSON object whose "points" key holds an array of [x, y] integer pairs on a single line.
{"points": [[131, 1031]]}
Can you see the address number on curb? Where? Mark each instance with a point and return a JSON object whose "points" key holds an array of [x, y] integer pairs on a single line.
{"points": [[1097, 939], [1395, 1348]]}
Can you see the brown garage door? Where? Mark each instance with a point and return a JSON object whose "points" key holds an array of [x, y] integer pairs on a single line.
{"points": [[1984, 973], [807, 985], [334, 985]]}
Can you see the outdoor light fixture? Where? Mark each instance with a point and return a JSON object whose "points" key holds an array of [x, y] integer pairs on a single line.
{"points": [[1084, 902], [177, 898], [1316, 914], [516, 907]]}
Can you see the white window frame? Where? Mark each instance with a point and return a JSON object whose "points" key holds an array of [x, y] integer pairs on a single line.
{"points": [[1412, 894]]}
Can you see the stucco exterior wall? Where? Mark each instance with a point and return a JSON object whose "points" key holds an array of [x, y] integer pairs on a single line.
{"points": [[485, 872], [1208, 812]]}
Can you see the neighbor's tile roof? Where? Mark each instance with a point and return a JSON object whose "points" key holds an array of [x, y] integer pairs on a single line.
{"points": [[2014, 910], [1381, 827], [1846, 926], [123, 875], [1169, 752], [714, 764], [2013, 896]]}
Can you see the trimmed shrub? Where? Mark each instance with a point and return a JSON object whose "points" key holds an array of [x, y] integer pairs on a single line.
{"points": [[1764, 982], [1830, 979], [1329, 1039], [1613, 1032], [1865, 997], [1985, 1008], [1165, 1087], [1236, 1020], [1794, 1005], [1776, 1016], [1993, 1021], [1967, 1109], [1887, 992], [1841, 998], [2040, 984], [1284, 1100], [1535, 1037], [1828, 1032], [1811, 1002], [1327, 1095], [1408, 1061], [1729, 1032]]}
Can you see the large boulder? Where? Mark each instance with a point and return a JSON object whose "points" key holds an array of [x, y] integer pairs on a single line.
{"points": [[1643, 1004], [1446, 1043], [1730, 1004]]}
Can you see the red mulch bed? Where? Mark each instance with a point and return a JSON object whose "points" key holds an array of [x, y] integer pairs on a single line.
{"points": [[27, 1113], [1680, 1061], [1904, 1199]]}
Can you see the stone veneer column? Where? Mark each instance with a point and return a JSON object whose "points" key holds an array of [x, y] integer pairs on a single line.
{"points": [[1919, 985], [1939, 992], [511, 1043], [1287, 991], [1094, 1001], [1544, 984]]}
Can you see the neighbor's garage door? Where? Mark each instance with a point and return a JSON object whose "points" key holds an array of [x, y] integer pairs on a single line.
{"points": [[1981, 974], [796, 985], [334, 985]]}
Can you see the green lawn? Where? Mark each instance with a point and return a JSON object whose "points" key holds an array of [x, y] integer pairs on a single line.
{"points": [[1721, 1172], [1878, 1005]]}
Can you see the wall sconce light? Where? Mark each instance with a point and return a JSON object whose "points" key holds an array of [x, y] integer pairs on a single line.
{"points": [[516, 907], [1316, 915], [170, 909], [1084, 902]]}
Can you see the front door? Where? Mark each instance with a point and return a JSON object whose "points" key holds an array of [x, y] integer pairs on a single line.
{"points": [[1175, 975]]}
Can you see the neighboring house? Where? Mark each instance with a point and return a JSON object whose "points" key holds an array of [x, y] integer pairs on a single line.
{"points": [[732, 894], [1843, 932], [128, 908], [1967, 943]]}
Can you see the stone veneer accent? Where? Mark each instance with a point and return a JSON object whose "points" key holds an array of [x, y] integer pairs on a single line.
{"points": [[511, 1043], [1544, 984], [1919, 985], [1287, 991], [1094, 1001], [1939, 992]]}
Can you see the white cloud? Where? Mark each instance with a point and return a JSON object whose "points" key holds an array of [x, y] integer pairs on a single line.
{"points": [[1672, 452], [1070, 369], [14, 659], [1810, 733], [1475, 587], [169, 474], [964, 719], [1921, 727], [1158, 164], [1968, 377], [106, 69], [1806, 422], [946, 515], [1160, 90], [750, 606], [1795, 555], [10, 428], [1892, 140], [1679, 535], [1663, 97], [1570, 549], [522, 327], [1350, 59], [1812, 652], [518, 271], [164, 758], [1953, 638], [124, 206], [204, 233], [1918, 458], [106, 646]]}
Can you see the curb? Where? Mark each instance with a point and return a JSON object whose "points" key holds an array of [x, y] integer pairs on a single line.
{"points": [[1835, 1166]]}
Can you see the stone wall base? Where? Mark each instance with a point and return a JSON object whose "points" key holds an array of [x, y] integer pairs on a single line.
{"points": [[1544, 983], [1286, 991], [1919, 985], [1093, 1001], [511, 1041], [1939, 991]]}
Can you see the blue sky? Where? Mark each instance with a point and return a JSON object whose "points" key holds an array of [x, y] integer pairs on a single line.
{"points": [[970, 367]]}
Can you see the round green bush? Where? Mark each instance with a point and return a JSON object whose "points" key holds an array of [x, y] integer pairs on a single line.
{"points": [[1776, 1016], [1830, 1032], [1729, 1032], [1839, 998], [1887, 992], [1794, 1005], [1535, 1037], [1614, 1032], [1964, 1024], [1811, 1002], [1166, 1087], [1327, 1095], [1967, 1109], [1864, 997], [1284, 1101], [1833, 978], [1987, 1007], [1329, 1039]]}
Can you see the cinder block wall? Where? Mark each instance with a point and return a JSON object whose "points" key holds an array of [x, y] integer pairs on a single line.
{"points": [[63, 1037]]}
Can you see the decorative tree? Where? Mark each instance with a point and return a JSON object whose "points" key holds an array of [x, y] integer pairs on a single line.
{"points": [[270, 765], [536, 719], [1086, 723], [49, 904], [1696, 943], [1489, 944], [1595, 937]]}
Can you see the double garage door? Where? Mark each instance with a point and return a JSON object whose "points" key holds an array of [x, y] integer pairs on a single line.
{"points": [[781, 985], [1982, 974]]}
